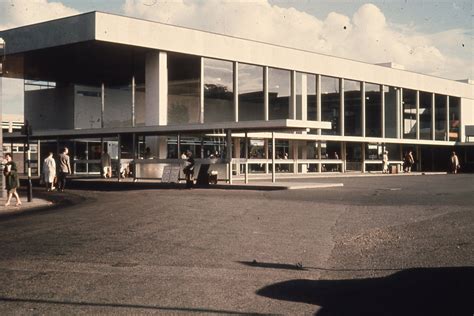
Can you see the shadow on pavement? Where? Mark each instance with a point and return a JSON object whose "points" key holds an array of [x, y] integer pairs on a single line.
{"points": [[150, 308], [419, 291], [269, 265]]}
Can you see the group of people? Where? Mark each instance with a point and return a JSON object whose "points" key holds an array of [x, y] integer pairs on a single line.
{"points": [[53, 175]]}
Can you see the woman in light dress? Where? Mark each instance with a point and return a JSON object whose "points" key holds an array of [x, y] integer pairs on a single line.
{"points": [[49, 171]]}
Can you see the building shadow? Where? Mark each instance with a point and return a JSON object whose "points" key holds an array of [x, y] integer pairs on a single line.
{"points": [[418, 291]]}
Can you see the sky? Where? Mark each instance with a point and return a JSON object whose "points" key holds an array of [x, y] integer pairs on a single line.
{"points": [[430, 37]]}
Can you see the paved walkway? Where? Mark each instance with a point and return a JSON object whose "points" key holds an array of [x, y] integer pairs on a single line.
{"points": [[36, 203]]}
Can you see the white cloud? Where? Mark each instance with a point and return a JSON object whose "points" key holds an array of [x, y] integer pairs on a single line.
{"points": [[366, 36], [15, 13]]}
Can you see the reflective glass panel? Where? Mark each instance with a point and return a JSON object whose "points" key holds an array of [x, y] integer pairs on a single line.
{"points": [[330, 104], [425, 115], [118, 106], [409, 114], [373, 110], [184, 89], [454, 118], [278, 93], [440, 117], [392, 99], [218, 91], [251, 106], [352, 108], [311, 97]]}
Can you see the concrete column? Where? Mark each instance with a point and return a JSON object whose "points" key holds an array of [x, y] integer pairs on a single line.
{"points": [[246, 158], [133, 101], [294, 154], [265, 93], [319, 157], [265, 142], [201, 94], [433, 117], [400, 129], [102, 104], [318, 101], [236, 91], [363, 158], [293, 109], [236, 149], [304, 155], [343, 157], [273, 157], [446, 137], [304, 98], [156, 89], [417, 114], [382, 94], [229, 153], [341, 107], [363, 119]]}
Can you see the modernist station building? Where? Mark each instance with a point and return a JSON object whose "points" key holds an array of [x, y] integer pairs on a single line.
{"points": [[149, 91]]}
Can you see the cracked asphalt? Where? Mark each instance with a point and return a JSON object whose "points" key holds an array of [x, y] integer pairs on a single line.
{"points": [[377, 246]]}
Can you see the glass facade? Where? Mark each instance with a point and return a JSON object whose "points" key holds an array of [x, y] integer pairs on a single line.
{"points": [[440, 117], [409, 114], [391, 96], [454, 118], [373, 110], [311, 97], [184, 89], [352, 108], [425, 114], [218, 91], [251, 94], [330, 104], [279, 91], [118, 106]]}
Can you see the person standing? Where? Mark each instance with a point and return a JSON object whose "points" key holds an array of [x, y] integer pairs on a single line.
{"points": [[12, 182], [64, 169], [189, 169], [409, 161], [454, 162], [106, 163], [385, 162], [49, 172]]}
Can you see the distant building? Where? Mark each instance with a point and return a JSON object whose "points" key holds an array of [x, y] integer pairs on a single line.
{"points": [[99, 79]]}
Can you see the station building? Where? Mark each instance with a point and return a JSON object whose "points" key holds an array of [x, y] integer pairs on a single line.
{"points": [[149, 91]]}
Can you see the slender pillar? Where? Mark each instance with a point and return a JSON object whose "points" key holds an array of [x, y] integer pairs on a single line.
{"points": [[341, 107], [133, 101], [102, 105], [382, 96], [178, 142], [400, 129], [201, 98], [446, 137], [246, 159], [417, 114], [304, 98], [433, 117], [265, 144], [363, 118], [229, 153], [265, 93], [236, 91], [293, 110], [318, 103], [319, 157], [119, 154], [363, 158], [273, 157]]}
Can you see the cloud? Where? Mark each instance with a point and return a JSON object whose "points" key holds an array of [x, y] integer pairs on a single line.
{"points": [[15, 13], [366, 36]]}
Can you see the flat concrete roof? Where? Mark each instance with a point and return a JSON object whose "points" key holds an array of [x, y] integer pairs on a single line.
{"points": [[104, 27]]}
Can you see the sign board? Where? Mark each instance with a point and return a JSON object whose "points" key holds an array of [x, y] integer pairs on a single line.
{"points": [[171, 174]]}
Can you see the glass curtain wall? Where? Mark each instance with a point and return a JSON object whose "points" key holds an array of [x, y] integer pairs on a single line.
{"points": [[440, 117], [454, 118], [218, 91], [409, 114], [251, 94], [184, 89], [279, 91], [373, 110], [425, 115], [311, 97], [87, 105], [330, 104], [352, 108], [391, 95]]}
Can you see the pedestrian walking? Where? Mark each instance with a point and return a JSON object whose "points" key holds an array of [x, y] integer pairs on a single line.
{"points": [[454, 163], [106, 163], [409, 161], [385, 162], [188, 170], [49, 172], [12, 182], [64, 169]]}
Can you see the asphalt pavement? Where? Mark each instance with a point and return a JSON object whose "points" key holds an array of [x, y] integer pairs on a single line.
{"points": [[376, 246]]}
